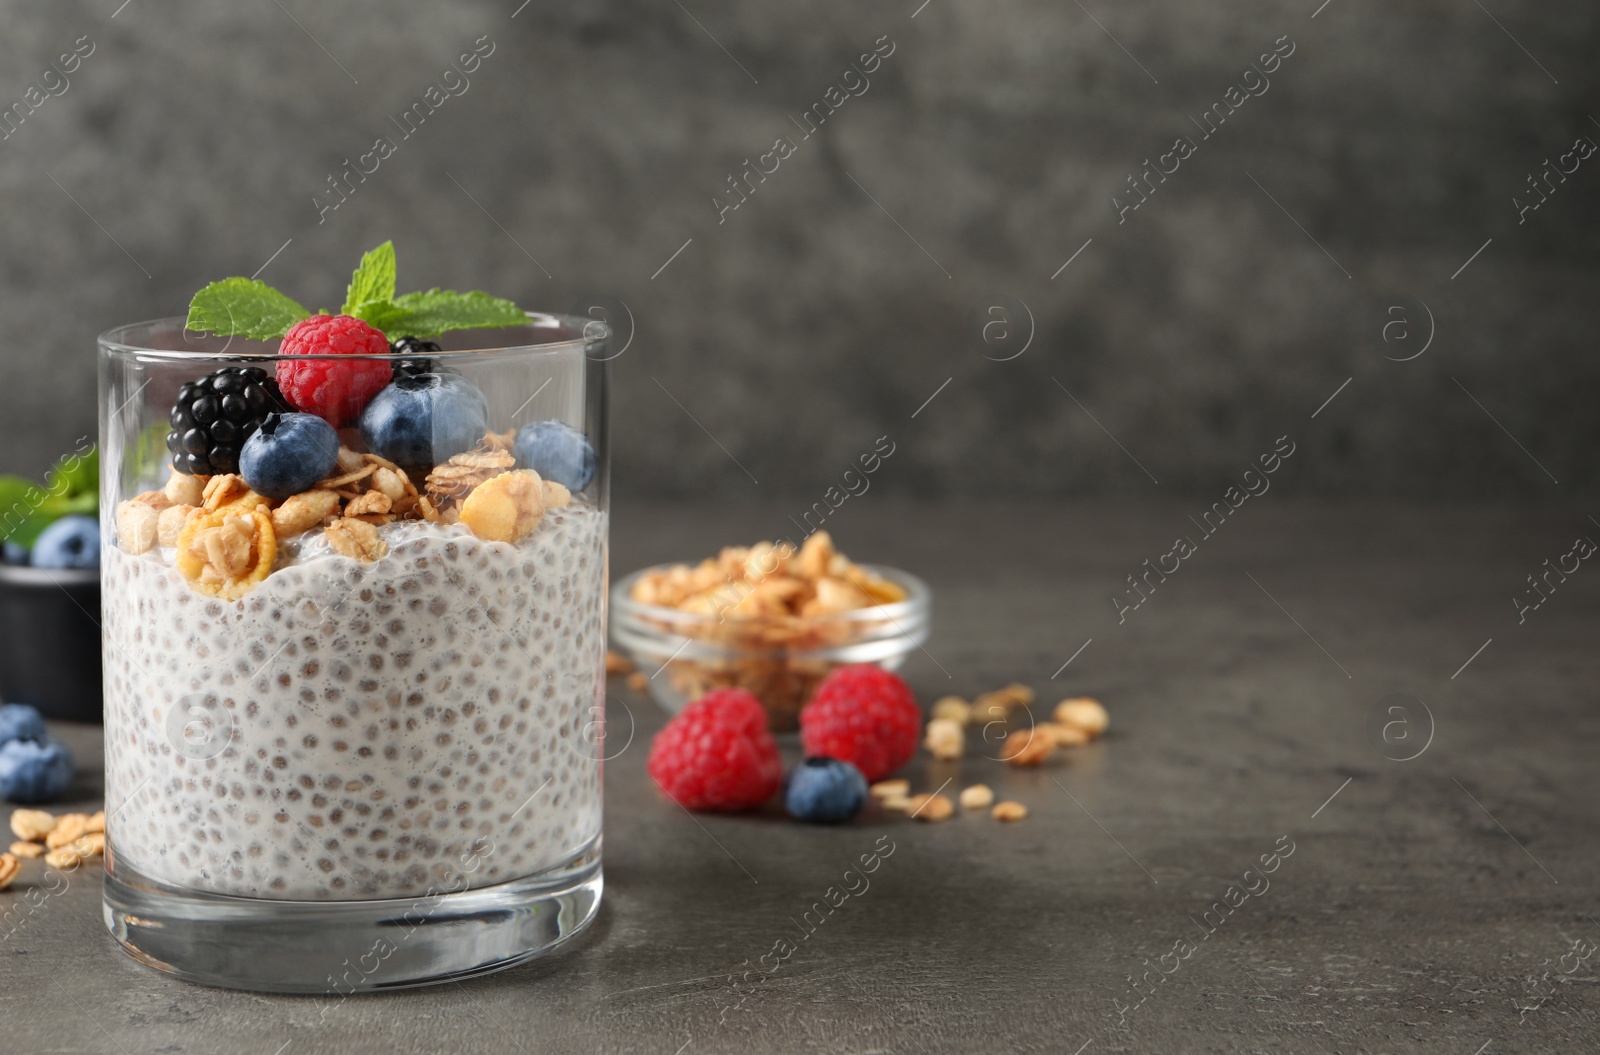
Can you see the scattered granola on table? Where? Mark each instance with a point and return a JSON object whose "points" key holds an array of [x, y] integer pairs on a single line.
{"points": [[1029, 742], [976, 797], [944, 739], [65, 841], [1009, 811], [931, 808]]}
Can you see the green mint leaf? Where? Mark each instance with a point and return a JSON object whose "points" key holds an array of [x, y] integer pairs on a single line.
{"points": [[243, 307], [440, 311], [373, 279], [14, 505], [75, 475], [23, 510]]}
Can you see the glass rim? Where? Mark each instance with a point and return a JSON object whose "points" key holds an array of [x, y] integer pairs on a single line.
{"points": [[578, 332]]}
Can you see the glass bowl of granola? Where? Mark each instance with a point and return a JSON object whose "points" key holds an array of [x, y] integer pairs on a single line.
{"points": [[772, 618]]}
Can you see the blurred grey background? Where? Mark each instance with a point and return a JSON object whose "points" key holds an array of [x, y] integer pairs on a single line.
{"points": [[1394, 143]]}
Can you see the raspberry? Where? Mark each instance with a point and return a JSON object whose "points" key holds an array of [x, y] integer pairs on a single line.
{"points": [[863, 715], [717, 754], [335, 392]]}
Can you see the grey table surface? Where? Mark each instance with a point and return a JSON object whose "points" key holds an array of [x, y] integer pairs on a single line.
{"points": [[1442, 904]]}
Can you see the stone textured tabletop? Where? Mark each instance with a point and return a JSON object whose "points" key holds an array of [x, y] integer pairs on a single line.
{"points": [[1442, 904]]}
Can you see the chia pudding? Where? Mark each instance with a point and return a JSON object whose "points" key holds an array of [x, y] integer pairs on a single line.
{"points": [[375, 725], [353, 570]]}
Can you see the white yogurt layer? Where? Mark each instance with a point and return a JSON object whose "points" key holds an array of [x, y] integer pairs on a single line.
{"points": [[417, 724]]}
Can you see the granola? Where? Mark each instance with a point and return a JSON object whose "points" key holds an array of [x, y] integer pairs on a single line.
{"points": [[1085, 713], [225, 552], [373, 502], [556, 496], [137, 526], [302, 512], [456, 478], [944, 739], [355, 538], [761, 600], [65, 859], [70, 827], [185, 490], [169, 523], [223, 490], [1027, 747], [32, 825], [1009, 811], [976, 797], [506, 507]]}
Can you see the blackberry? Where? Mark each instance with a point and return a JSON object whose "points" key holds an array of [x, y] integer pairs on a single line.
{"points": [[417, 363], [216, 414]]}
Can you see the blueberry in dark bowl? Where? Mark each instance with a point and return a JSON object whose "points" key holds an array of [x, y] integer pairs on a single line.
{"points": [[71, 542]]}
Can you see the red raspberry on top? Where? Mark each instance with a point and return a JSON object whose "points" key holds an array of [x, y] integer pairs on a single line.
{"points": [[335, 392], [863, 715], [717, 754]]}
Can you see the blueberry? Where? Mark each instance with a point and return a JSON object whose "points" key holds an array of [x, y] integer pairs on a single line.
{"points": [[13, 553], [825, 790], [425, 419], [556, 451], [71, 542], [34, 770], [18, 721], [288, 454]]}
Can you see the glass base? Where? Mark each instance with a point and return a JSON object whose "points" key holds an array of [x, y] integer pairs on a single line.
{"points": [[336, 948]]}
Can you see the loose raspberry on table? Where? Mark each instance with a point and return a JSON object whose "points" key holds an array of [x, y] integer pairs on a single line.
{"points": [[863, 715], [334, 391], [717, 754]]}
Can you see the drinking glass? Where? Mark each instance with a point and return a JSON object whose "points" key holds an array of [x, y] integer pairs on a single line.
{"points": [[353, 741]]}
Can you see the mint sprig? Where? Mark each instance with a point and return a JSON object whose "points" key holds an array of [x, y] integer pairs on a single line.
{"points": [[247, 308], [440, 311], [243, 307], [373, 281]]}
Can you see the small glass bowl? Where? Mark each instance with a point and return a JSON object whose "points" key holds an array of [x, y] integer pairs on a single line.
{"points": [[781, 659]]}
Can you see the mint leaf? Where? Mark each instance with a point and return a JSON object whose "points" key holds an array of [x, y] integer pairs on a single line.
{"points": [[14, 505], [75, 476], [439, 311], [373, 279], [23, 510], [243, 307]]}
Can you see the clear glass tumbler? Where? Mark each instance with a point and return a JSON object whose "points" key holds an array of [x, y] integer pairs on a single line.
{"points": [[353, 734]]}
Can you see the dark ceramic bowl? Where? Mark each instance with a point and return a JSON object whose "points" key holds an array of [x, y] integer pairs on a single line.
{"points": [[50, 641]]}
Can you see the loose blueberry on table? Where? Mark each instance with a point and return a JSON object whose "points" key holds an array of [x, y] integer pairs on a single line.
{"points": [[826, 791], [33, 767]]}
